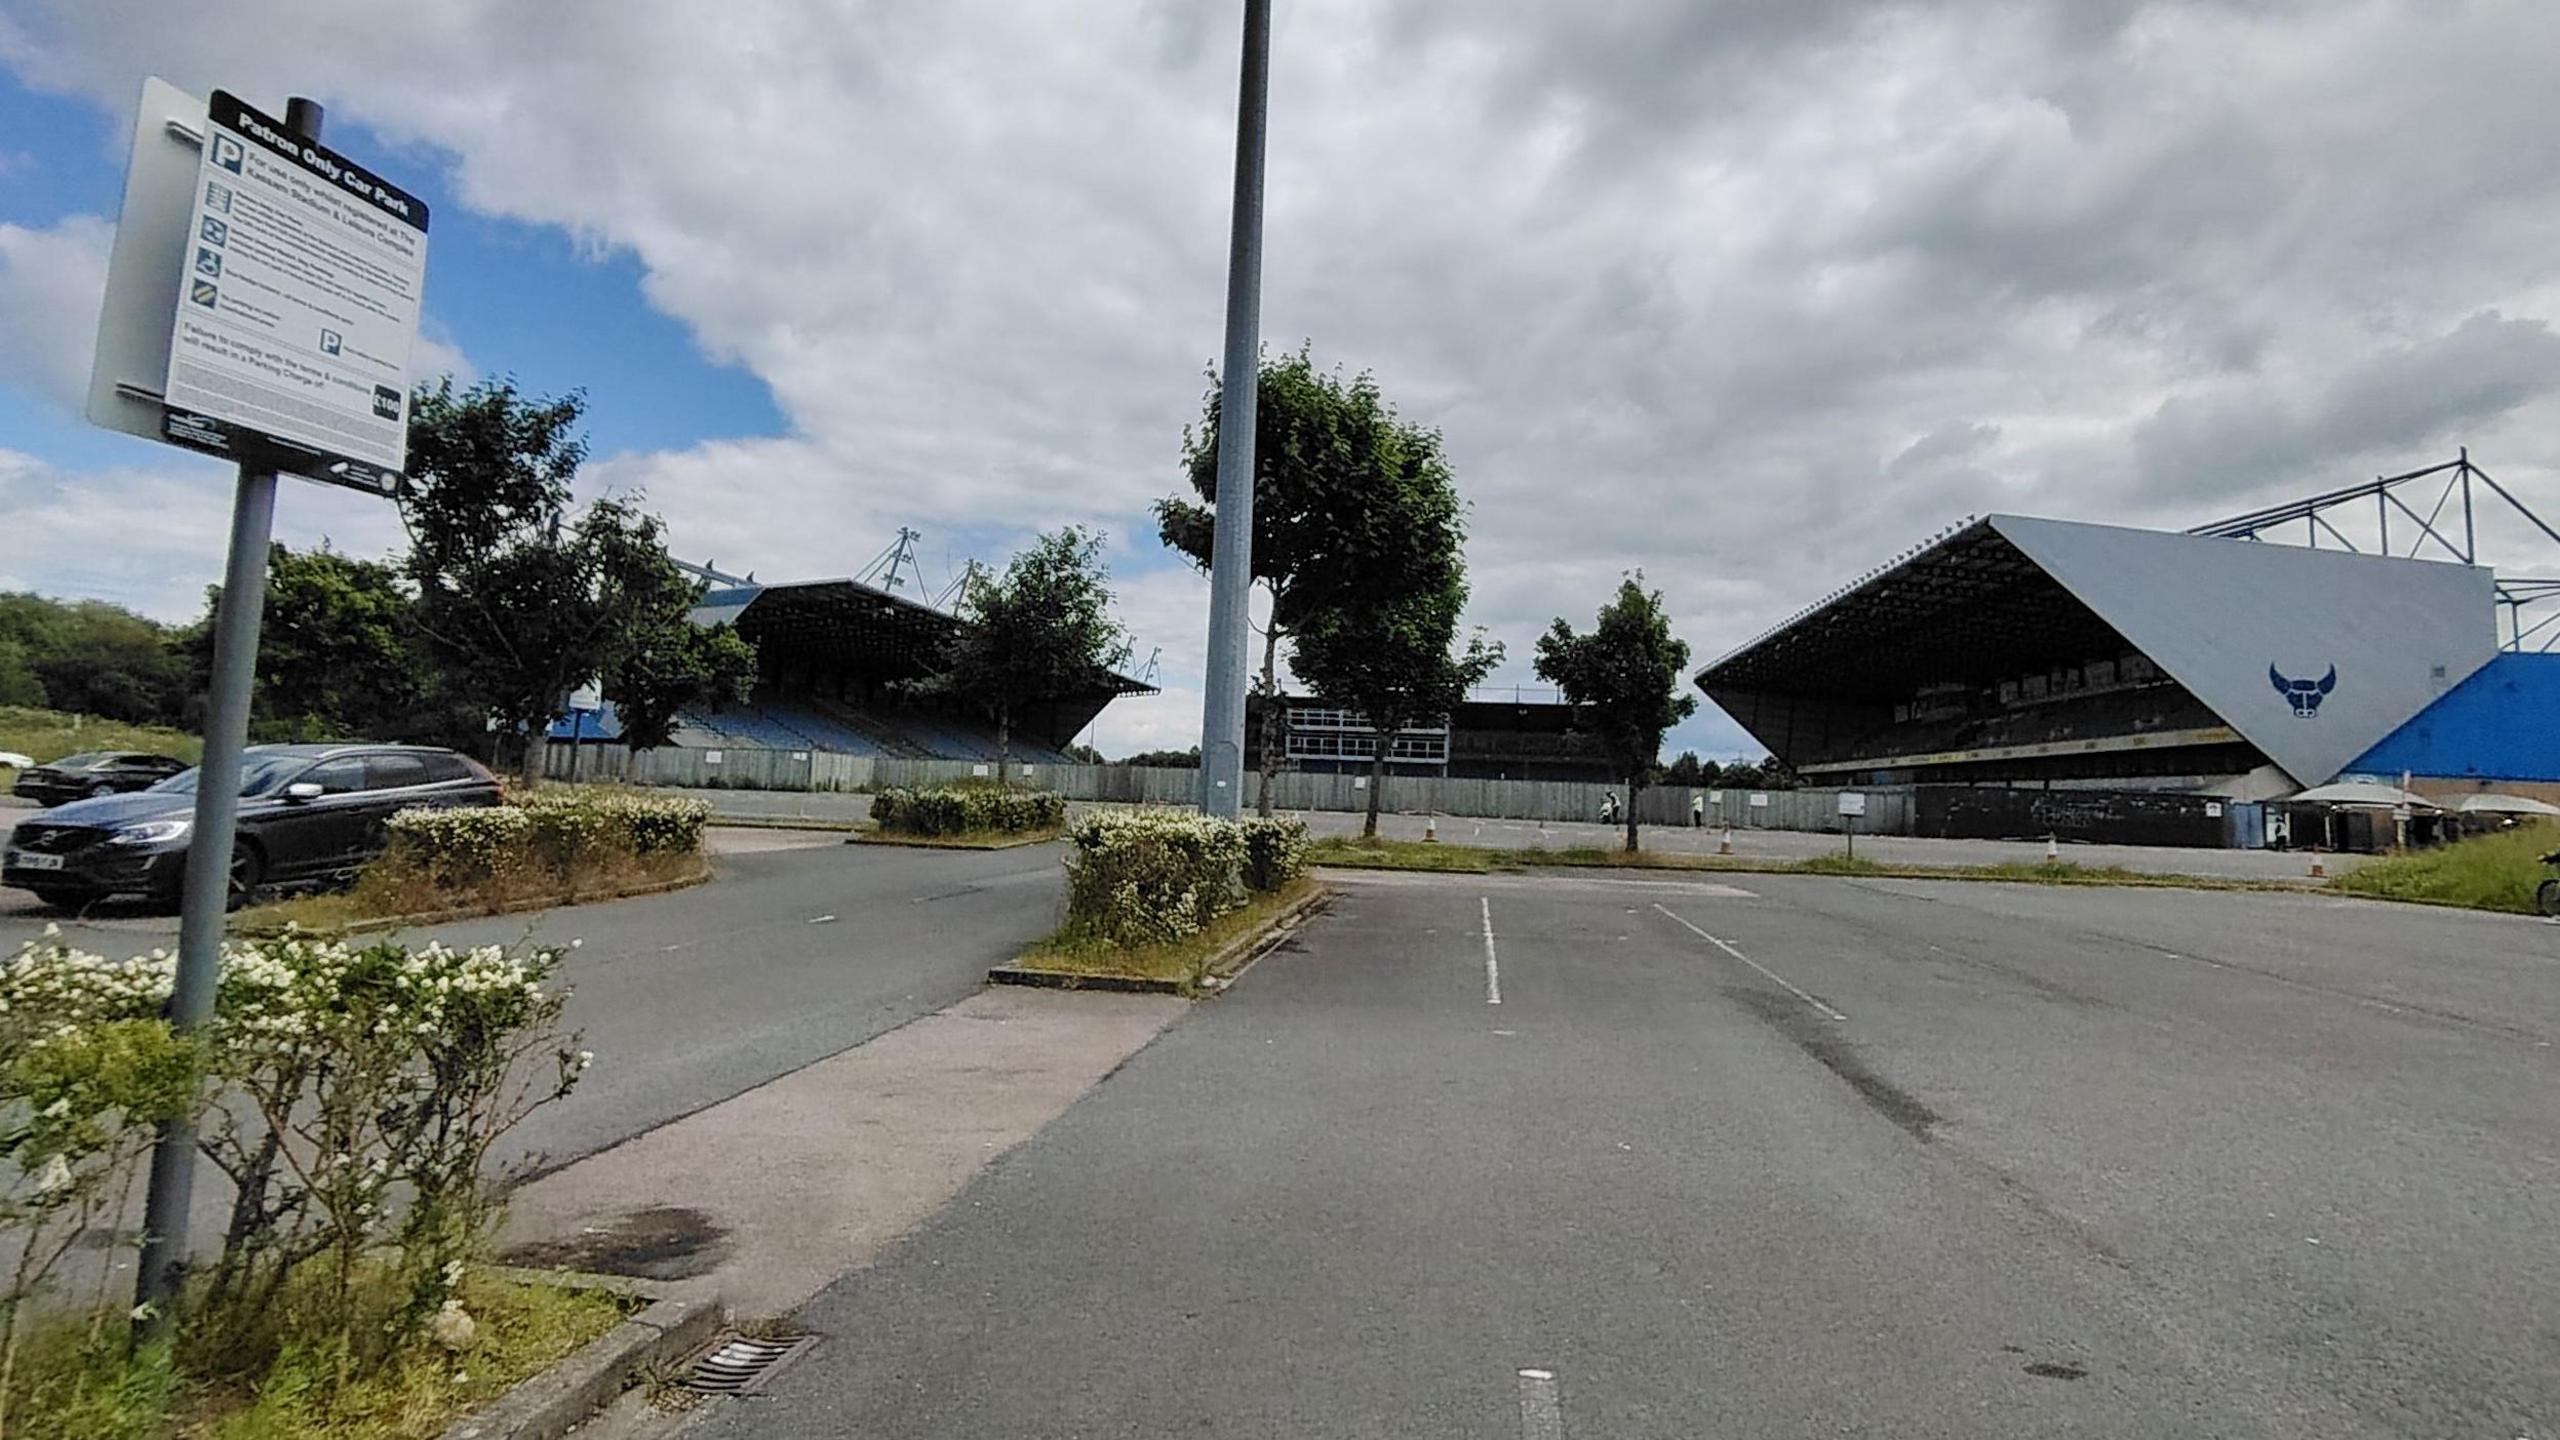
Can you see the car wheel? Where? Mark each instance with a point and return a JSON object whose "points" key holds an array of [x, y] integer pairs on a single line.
{"points": [[61, 899], [247, 869], [99, 789], [2547, 898]]}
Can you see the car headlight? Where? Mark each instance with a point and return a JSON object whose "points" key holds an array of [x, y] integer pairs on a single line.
{"points": [[151, 832]]}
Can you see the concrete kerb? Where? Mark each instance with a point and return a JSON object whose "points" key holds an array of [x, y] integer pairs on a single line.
{"points": [[1222, 969], [565, 1396], [868, 836], [479, 912]]}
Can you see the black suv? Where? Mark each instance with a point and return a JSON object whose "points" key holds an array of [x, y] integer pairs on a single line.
{"points": [[307, 812], [100, 772]]}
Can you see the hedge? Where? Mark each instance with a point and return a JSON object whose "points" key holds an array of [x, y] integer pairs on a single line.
{"points": [[1275, 853], [553, 829], [967, 809], [1147, 877]]}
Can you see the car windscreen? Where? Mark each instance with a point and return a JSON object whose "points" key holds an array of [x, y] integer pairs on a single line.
{"points": [[259, 775], [81, 761]]}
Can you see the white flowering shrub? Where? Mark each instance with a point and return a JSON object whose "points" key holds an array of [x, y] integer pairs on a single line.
{"points": [[967, 809], [87, 1070], [552, 833], [1275, 852], [356, 1093], [1145, 877]]}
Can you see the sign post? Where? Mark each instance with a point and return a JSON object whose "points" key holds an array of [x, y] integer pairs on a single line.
{"points": [[1852, 805], [272, 326]]}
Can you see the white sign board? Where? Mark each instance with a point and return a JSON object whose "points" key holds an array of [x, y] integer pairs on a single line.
{"points": [[149, 259], [1715, 797], [588, 698], [1852, 804], [2213, 809], [1759, 800], [297, 306]]}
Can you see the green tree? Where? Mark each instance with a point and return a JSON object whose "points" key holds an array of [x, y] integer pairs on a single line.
{"points": [[18, 682], [1040, 631], [520, 599], [1392, 661], [337, 651], [93, 658], [1333, 468], [669, 664], [1628, 672]]}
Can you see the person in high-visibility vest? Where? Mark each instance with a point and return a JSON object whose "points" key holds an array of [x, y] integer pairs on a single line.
{"points": [[1697, 811]]}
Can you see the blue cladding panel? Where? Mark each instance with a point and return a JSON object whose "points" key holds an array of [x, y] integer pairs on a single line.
{"points": [[2501, 724]]}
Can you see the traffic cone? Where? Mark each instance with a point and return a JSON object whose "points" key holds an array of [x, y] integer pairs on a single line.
{"points": [[1725, 846], [2052, 851], [1431, 830], [2318, 870]]}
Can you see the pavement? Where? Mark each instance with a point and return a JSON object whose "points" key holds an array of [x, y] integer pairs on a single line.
{"points": [[760, 1201], [1611, 1156]]}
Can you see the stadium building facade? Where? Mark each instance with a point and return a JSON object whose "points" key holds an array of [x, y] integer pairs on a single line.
{"points": [[2033, 653], [832, 657]]}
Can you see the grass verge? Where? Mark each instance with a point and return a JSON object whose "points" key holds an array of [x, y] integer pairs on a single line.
{"points": [[388, 894], [1183, 961], [77, 1380], [2488, 872], [965, 840], [1442, 858], [1401, 855], [43, 735]]}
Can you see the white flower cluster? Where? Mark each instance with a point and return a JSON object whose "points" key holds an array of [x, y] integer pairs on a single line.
{"points": [[50, 983]]}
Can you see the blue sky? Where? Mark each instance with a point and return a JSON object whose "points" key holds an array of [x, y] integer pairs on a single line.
{"points": [[1752, 307]]}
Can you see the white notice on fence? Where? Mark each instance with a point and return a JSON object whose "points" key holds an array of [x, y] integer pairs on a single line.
{"points": [[1759, 800], [1852, 804], [710, 757], [977, 769], [299, 301]]}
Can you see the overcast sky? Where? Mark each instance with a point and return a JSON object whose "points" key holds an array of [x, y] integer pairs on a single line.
{"points": [[1749, 293]]}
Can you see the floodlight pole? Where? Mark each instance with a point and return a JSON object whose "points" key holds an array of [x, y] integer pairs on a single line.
{"points": [[207, 896], [1231, 567]]}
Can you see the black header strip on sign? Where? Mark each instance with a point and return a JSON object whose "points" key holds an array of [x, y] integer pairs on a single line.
{"points": [[229, 112]]}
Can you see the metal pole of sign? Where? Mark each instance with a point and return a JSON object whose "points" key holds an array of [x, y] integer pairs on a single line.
{"points": [[1231, 561], [209, 854]]}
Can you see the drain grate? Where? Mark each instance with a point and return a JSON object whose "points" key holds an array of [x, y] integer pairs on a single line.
{"points": [[741, 1363]]}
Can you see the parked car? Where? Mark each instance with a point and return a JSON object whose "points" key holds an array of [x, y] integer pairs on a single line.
{"points": [[98, 772], [307, 812]]}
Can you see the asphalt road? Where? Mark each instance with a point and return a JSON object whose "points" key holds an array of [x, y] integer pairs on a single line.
{"points": [[1790, 1157], [804, 946], [1767, 844]]}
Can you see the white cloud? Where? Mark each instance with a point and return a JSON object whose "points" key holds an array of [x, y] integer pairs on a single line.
{"points": [[154, 538], [50, 283], [1748, 294]]}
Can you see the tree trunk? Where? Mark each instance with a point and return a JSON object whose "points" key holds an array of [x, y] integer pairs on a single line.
{"points": [[1377, 783], [529, 767], [1270, 722], [1635, 782], [1004, 743]]}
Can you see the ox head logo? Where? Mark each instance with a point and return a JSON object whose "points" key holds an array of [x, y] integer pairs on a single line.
{"points": [[2304, 695]]}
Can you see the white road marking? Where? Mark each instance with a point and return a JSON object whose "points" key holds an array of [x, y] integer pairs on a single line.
{"points": [[1780, 980], [1492, 967], [823, 920], [1541, 1406]]}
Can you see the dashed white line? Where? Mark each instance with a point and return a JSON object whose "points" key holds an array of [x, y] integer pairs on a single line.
{"points": [[1780, 980], [1541, 1406], [1492, 966]]}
